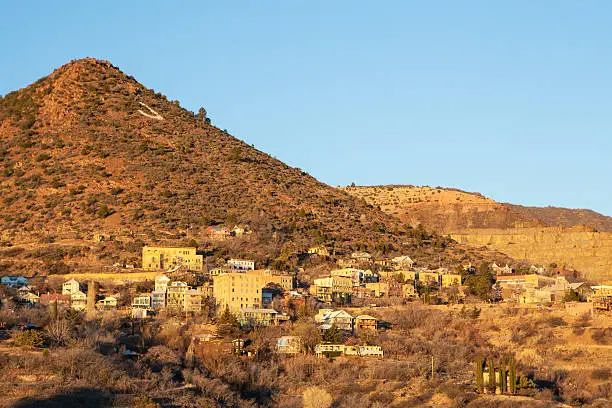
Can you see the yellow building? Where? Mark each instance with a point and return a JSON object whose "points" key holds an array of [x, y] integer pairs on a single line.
{"points": [[267, 276], [451, 279], [175, 296], [326, 288], [237, 291], [156, 258], [428, 277], [406, 275]]}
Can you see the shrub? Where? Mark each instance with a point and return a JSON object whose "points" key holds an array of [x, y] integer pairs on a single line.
{"points": [[316, 397], [31, 338]]}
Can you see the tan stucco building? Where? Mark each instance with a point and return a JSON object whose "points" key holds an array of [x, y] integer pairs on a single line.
{"points": [[162, 258]]}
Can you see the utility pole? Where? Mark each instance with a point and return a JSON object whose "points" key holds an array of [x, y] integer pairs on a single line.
{"points": [[432, 367]]}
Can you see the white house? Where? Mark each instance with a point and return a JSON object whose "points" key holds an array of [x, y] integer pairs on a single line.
{"points": [[70, 287]]}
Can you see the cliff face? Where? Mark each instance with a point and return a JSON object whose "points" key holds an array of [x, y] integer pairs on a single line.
{"points": [[580, 239], [587, 251]]}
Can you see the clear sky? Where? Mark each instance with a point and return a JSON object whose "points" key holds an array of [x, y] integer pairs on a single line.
{"points": [[512, 99]]}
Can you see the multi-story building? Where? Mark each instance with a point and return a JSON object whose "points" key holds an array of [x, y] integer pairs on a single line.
{"points": [[266, 276], [332, 287], [70, 287], [161, 283], [78, 300], [162, 258], [175, 295], [193, 301], [450, 279], [158, 300], [237, 290], [241, 265], [142, 301], [356, 275]]}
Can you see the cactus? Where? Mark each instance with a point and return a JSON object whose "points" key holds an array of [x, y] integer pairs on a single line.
{"points": [[512, 372], [503, 386], [492, 382], [479, 374]]}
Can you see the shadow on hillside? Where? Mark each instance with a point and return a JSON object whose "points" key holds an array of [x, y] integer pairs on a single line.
{"points": [[79, 397]]}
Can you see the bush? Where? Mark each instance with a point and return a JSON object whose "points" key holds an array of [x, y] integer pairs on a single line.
{"points": [[316, 397], [31, 338]]}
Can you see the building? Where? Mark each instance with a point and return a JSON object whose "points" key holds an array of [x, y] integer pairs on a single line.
{"points": [[398, 275], [402, 262], [78, 301], [240, 230], [365, 323], [161, 283], [47, 299], [428, 278], [356, 275], [70, 287], [332, 288], [175, 295], [142, 301], [318, 250], [332, 350], [29, 298], [14, 281], [193, 301], [450, 279], [361, 256], [289, 345], [258, 317], [267, 276], [241, 264], [109, 302], [158, 300], [237, 290], [339, 318], [218, 233], [162, 258], [409, 291]]}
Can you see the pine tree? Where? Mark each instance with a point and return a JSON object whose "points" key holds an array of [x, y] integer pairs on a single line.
{"points": [[332, 335]]}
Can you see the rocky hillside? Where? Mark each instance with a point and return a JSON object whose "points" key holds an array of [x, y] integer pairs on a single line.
{"points": [[88, 150], [580, 239]]}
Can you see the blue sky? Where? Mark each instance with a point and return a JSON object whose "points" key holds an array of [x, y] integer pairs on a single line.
{"points": [[512, 99]]}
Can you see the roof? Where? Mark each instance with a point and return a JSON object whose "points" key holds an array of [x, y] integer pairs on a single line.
{"points": [[576, 285], [72, 281], [365, 317], [160, 277], [337, 313], [258, 310]]}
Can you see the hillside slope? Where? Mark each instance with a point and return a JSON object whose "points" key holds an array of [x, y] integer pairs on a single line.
{"points": [[580, 239], [88, 150]]}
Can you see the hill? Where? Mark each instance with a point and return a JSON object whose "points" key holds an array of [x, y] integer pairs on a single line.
{"points": [[580, 239], [88, 150]]}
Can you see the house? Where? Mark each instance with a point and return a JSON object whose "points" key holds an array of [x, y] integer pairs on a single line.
{"points": [[109, 302], [175, 295], [241, 264], [162, 258], [361, 256], [258, 317], [498, 270], [409, 291], [218, 233], [582, 288], [339, 318], [218, 271], [13, 281], [158, 300], [379, 288], [78, 300], [318, 250], [161, 283], [289, 345], [365, 323], [402, 262], [331, 350], [142, 301], [70, 287], [193, 301], [139, 313], [240, 230], [29, 298], [332, 288]]}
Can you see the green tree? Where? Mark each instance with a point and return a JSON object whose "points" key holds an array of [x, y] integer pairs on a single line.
{"points": [[332, 335], [571, 296], [228, 317]]}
